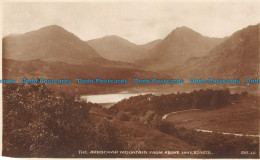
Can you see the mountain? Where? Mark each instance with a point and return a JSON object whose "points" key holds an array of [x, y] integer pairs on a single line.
{"points": [[119, 49], [236, 57], [181, 44], [61, 70], [54, 53], [51, 43], [151, 44]]}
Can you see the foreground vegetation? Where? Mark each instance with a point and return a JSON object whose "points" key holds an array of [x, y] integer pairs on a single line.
{"points": [[239, 117], [149, 109], [144, 104], [38, 122], [221, 146]]}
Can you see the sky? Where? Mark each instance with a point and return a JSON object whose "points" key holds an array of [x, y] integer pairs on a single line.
{"points": [[138, 22]]}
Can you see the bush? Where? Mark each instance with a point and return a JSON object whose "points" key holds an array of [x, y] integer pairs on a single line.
{"points": [[140, 105], [166, 127], [222, 146], [244, 94], [39, 123], [123, 117], [230, 146], [104, 136]]}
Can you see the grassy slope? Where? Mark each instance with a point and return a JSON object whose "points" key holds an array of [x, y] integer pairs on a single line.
{"points": [[140, 137], [242, 117]]}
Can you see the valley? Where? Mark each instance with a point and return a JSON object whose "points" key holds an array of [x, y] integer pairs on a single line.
{"points": [[241, 117], [160, 118]]}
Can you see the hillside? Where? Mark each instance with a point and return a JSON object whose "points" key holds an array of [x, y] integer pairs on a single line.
{"points": [[211, 109], [63, 125], [119, 49], [141, 137], [61, 70], [181, 44], [51, 43], [240, 118], [151, 45], [236, 57]]}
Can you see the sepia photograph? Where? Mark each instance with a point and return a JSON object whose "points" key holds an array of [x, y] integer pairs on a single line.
{"points": [[131, 79]]}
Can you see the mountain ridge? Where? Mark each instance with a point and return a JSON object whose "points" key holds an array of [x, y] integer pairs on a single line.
{"points": [[116, 48], [237, 57], [179, 53], [181, 44], [50, 43]]}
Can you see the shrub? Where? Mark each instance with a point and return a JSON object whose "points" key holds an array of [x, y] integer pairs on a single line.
{"points": [[123, 117], [39, 123]]}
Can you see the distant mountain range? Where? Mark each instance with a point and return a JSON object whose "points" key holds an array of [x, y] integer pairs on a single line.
{"points": [[183, 52], [119, 49], [51, 43], [180, 45], [236, 57], [53, 52], [38, 68]]}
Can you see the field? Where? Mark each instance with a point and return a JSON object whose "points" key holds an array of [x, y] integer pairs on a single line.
{"points": [[240, 117]]}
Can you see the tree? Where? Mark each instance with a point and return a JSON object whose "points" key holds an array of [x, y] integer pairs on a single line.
{"points": [[39, 123], [244, 94]]}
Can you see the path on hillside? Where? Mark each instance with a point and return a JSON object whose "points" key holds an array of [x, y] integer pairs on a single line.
{"points": [[166, 115], [209, 131], [234, 134]]}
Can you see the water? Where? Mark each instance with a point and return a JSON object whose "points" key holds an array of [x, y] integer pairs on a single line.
{"points": [[109, 98]]}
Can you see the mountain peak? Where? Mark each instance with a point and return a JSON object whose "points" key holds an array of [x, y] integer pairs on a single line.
{"points": [[116, 48], [181, 44], [53, 29], [185, 30], [52, 32], [50, 43], [115, 39], [112, 37], [183, 33], [53, 26]]}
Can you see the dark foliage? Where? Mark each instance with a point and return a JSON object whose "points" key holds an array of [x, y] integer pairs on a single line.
{"points": [[221, 146], [148, 109], [163, 104], [39, 123], [244, 93]]}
